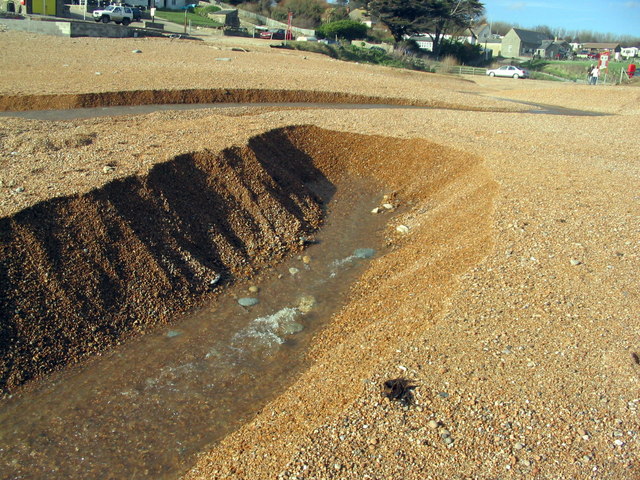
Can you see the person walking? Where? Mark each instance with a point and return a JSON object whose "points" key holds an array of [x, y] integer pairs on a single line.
{"points": [[589, 72], [595, 73]]}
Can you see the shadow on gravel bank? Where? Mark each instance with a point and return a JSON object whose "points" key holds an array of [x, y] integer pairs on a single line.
{"points": [[20, 103]]}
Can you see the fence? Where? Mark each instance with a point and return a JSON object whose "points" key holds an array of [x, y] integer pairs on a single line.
{"points": [[461, 70]]}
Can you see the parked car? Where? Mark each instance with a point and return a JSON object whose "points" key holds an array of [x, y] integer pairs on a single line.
{"points": [[278, 34], [137, 14], [508, 71], [593, 55], [120, 15]]}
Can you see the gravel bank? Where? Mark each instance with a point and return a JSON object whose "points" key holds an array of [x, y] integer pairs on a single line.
{"points": [[511, 304]]}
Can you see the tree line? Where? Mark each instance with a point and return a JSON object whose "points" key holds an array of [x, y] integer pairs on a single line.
{"points": [[409, 17]]}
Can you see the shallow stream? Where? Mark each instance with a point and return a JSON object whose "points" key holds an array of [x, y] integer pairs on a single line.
{"points": [[144, 410]]}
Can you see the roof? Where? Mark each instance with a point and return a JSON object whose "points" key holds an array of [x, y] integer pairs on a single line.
{"points": [[600, 45], [478, 29], [529, 36]]}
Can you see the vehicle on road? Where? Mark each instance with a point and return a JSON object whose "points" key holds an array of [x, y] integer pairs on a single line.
{"points": [[137, 14], [115, 13], [278, 34], [508, 71]]}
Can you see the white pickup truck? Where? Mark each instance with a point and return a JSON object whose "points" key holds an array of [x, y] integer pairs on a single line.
{"points": [[120, 15]]}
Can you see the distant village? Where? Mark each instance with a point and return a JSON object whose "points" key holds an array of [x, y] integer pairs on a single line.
{"points": [[520, 43]]}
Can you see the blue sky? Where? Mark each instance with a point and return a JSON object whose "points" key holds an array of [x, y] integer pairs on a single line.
{"points": [[620, 17]]}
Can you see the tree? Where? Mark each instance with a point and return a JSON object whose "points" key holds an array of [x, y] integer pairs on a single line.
{"points": [[434, 17], [347, 29], [306, 13]]}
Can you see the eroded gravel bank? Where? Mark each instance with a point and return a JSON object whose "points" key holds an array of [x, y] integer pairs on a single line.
{"points": [[511, 304]]}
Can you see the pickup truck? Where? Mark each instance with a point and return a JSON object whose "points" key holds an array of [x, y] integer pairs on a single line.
{"points": [[120, 15]]}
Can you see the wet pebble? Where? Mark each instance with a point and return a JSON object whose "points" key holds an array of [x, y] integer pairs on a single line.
{"points": [[291, 328], [402, 229], [293, 270], [248, 301], [173, 333], [253, 289], [306, 303]]}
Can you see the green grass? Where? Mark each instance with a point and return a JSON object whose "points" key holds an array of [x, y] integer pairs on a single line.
{"points": [[572, 70], [351, 53], [177, 16]]}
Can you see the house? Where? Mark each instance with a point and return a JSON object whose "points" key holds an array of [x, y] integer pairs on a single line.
{"points": [[38, 7], [614, 48], [553, 49], [425, 40], [173, 4], [522, 43], [481, 34]]}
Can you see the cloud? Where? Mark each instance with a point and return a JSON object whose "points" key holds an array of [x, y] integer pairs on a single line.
{"points": [[520, 5], [545, 5]]}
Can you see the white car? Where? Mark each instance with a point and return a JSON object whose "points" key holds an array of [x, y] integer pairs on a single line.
{"points": [[508, 71]]}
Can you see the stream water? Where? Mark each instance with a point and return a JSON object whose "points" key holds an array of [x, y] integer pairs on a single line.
{"points": [[144, 410]]}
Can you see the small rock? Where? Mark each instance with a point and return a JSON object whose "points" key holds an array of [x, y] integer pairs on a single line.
{"points": [[586, 458], [173, 333], [293, 270], [388, 206], [402, 229], [306, 259], [136, 51], [337, 466], [19, 190], [618, 443], [253, 289], [248, 301], [107, 169], [306, 303], [443, 395], [375, 210], [98, 73], [575, 262], [223, 59], [518, 446], [291, 328], [448, 440], [433, 424]]}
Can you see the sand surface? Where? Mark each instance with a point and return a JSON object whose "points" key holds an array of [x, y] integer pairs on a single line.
{"points": [[511, 304]]}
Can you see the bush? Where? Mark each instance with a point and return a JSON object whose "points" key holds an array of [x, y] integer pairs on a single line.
{"points": [[204, 11], [347, 29], [464, 53]]}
